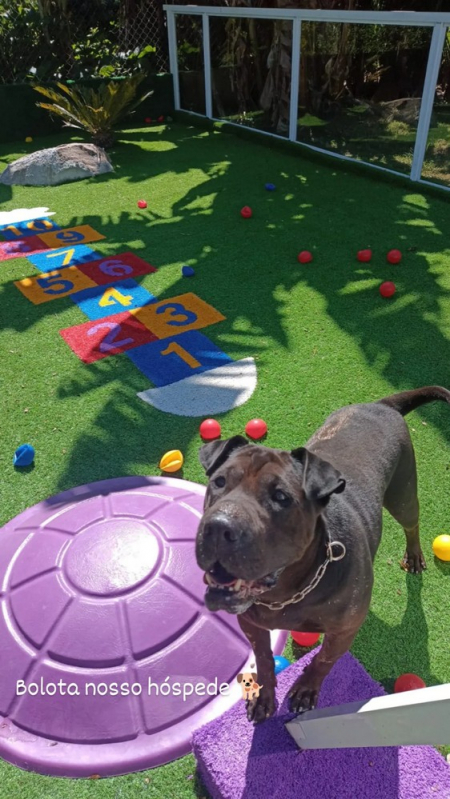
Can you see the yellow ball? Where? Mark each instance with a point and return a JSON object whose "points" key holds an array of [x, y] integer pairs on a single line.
{"points": [[172, 461], [441, 547], [28, 139]]}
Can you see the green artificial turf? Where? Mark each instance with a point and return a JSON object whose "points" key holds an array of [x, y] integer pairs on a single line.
{"points": [[321, 335]]}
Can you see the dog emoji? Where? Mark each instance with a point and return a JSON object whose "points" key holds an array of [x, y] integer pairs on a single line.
{"points": [[250, 687]]}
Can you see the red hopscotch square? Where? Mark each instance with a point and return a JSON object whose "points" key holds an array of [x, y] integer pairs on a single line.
{"points": [[108, 336], [120, 267], [21, 248]]}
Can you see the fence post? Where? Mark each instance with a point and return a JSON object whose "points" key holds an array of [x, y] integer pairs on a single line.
{"points": [[295, 77], [173, 56], [426, 106], [207, 65]]}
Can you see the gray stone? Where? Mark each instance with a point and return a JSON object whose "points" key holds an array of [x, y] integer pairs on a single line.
{"points": [[57, 165]]}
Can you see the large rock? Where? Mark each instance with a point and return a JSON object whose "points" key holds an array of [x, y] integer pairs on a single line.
{"points": [[57, 165]]}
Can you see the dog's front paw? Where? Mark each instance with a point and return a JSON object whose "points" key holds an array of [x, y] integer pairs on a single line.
{"points": [[302, 696], [413, 562], [261, 708]]}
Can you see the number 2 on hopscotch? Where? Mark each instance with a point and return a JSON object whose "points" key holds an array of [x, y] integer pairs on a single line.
{"points": [[182, 353]]}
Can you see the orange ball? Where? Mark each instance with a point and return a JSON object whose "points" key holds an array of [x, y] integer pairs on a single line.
{"points": [[394, 256], [304, 257], [408, 682], [256, 428], [305, 639], [246, 212], [387, 289]]}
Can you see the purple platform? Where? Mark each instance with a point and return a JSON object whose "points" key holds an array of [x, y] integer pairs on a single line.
{"points": [[99, 588], [239, 761]]}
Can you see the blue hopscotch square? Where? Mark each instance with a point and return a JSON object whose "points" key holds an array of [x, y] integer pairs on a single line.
{"points": [[32, 227], [172, 359], [112, 298], [48, 260]]}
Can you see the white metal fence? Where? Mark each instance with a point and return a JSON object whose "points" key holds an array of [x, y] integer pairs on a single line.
{"points": [[436, 23]]}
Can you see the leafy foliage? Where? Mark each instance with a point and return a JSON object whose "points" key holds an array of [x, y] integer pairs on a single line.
{"points": [[97, 111]]}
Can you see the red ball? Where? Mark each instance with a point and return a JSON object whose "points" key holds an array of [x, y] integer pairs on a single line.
{"points": [[148, 120], [387, 289], [210, 429], [246, 212], [305, 257], [256, 428], [160, 119], [394, 256], [364, 256], [408, 682], [305, 639], [142, 204]]}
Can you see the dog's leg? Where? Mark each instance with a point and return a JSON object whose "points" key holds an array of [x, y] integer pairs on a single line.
{"points": [[402, 503], [263, 706], [304, 693]]}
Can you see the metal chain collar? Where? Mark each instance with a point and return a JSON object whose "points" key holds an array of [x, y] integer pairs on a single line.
{"points": [[314, 582]]}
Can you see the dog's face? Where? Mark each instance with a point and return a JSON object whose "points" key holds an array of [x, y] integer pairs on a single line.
{"points": [[260, 514], [247, 680]]}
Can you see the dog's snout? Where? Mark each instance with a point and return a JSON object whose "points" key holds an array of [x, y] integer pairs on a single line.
{"points": [[222, 528]]}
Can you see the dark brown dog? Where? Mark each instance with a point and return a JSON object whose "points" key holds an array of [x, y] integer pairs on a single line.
{"points": [[287, 539]]}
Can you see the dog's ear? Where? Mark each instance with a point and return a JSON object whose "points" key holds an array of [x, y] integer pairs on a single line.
{"points": [[214, 454], [255, 676], [240, 677], [320, 478]]}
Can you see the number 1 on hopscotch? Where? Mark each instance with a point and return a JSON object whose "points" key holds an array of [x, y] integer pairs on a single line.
{"points": [[182, 353]]}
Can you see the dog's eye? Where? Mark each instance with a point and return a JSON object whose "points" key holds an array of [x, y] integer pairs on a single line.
{"points": [[219, 481], [280, 497]]}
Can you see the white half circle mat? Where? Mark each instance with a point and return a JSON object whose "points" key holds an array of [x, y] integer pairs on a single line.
{"points": [[215, 391], [23, 215]]}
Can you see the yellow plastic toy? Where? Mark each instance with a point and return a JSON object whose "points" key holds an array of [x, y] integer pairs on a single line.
{"points": [[28, 139], [441, 547], [172, 461]]}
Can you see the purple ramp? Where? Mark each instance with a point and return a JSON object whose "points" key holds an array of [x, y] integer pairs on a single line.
{"points": [[110, 660], [239, 761]]}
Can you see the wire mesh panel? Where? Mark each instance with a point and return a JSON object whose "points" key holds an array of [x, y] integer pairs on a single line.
{"points": [[436, 166], [361, 89], [190, 63], [251, 72], [51, 39]]}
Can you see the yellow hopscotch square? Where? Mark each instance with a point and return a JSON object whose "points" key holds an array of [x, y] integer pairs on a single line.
{"points": [[82, 234], [53, 285], [177, 315]]}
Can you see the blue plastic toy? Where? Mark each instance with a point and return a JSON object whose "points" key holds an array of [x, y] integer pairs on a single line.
{"points": [[281, 663], [270, 186], [24, 455], [188, 271]]}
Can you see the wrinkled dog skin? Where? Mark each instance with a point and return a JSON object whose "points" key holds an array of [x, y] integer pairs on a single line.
{"points": [[269, 516]]}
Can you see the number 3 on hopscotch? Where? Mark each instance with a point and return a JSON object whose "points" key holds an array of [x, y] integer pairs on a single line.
{"points": [[182, 353]]}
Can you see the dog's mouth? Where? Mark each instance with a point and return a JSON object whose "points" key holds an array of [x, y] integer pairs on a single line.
{"points": [[222, 585]]}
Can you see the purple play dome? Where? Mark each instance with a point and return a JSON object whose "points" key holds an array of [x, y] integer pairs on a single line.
{"points": [[110, 659]]}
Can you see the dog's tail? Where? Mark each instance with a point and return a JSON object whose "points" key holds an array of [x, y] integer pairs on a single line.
{"points": [[408, 401]]}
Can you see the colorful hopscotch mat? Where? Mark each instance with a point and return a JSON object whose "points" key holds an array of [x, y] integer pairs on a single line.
{"points": [[82, 234], [191, 375], [68, 256], [169, 360], [111, 298], [99, 338], [125, 265], [54, 285], [178, 315], [29, 245], [21, 230]]}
